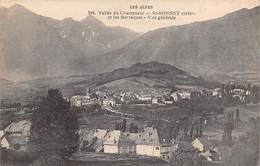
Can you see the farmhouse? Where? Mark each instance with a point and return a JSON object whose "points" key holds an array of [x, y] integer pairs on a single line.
{"points": [[22, 127], [148, 142], [203, 144], [16, 135], [151, 143], [4, 143]]}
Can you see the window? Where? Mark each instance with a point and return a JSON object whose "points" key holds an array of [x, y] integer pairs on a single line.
{"points": [[157, 148]]}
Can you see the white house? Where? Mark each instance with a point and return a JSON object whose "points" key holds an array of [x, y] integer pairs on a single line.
{"points": [[217, 92], [3, 140], [146, 98], [178, 95], [155, 100], [184, 94], [79, 101], [202, 144], [22, 127], [17, 135], [109, 102], [148, 143]]}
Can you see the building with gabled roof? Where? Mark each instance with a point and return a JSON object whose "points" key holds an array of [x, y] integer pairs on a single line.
{"points": [[202, 144], [23, 127], [148, 142], [17, 135], [4, 143]]}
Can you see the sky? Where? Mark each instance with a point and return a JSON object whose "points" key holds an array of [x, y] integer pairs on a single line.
{"points": [[78, 10]]}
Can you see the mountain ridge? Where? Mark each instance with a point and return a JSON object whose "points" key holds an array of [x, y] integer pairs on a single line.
{"points": [[49, 47], [206, 47], [163, 75]]}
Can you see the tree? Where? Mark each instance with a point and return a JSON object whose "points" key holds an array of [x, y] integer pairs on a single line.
{"points": [[124, 125], [228, 127], [133, 128], [237, 115], [54, 130]]}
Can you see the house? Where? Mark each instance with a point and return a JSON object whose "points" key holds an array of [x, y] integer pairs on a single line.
{"points": [[179, 95], [80, 101], [174, 95], [17, 135], [202, 144], [153, 142], [184, 94], [4, 143], [109, 102], [22, 127], [76, 101], [155, 100], [148, 143], [217, 92], [118, 142]]}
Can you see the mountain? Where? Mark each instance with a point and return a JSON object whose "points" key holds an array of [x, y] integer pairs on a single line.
{"points": [[142, 75], [214, 47], [35, 46]]}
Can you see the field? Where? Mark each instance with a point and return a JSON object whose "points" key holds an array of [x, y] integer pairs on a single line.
{"points": [[106, 121], [246, 111]]}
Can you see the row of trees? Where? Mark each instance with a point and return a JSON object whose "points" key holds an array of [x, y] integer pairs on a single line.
{"points": [[123, 126]]}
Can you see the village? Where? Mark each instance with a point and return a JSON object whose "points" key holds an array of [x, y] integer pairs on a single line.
{"points": [[197, 133]]}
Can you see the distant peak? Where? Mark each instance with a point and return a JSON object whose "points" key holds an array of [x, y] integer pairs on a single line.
{"points": [[91, 20], [68, 19], [155, 63], [19, 8]]}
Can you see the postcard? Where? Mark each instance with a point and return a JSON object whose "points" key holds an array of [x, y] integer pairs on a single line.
{"points": [[129, 82]]}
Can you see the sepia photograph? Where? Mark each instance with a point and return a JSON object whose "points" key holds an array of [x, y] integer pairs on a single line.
{"points": [[129, 82]]}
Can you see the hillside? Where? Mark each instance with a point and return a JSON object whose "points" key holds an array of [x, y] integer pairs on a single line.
{"points": [[136, 77], [142, 75], [34, 46], [214, 47]]}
